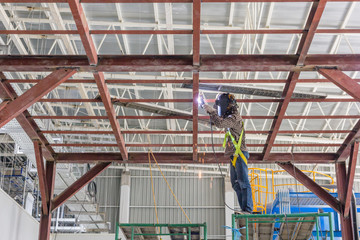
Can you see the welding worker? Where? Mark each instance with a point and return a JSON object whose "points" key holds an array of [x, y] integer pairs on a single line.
{"points": [[226, 115]]}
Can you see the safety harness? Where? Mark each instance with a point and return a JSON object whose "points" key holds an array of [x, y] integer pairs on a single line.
{"points": [[237, 146]]}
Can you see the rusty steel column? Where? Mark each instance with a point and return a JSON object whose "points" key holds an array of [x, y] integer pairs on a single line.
{"points": [[347, 232], [350, 177], [45, 219]]}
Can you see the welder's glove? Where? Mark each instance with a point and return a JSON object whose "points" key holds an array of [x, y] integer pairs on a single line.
{"points": [[208, 108]]}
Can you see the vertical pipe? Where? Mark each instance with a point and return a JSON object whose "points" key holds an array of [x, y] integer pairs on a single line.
{"points": [[233, 226], [205, 231], [331, 226], [189, 230], [132, 232], [116, 230], [247, 228]]}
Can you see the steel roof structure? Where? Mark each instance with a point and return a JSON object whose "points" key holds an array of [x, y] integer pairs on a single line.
{"points": [[60, 55]]}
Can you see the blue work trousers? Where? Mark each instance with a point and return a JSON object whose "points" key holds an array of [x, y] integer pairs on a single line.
{"points": [[241, 184]]}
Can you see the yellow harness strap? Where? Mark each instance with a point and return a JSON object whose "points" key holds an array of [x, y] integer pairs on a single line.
{"points": [[237, 146]]}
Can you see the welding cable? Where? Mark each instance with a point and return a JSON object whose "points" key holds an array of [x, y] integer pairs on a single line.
{"points": [[152, 154]]}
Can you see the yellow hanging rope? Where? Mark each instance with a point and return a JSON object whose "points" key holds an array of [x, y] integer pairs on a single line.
{"points": [[153, 191], [169, 186]]}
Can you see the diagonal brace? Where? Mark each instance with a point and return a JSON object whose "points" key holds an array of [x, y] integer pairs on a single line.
{"points": [[311, 185], [280, 112], [350, 177], [351, 87], [78, 184], [83, 29], [343, 81], [106, 99], [20, 104]]}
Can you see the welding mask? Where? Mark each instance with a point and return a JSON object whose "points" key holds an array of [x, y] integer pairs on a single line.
{"points": [[225, 102]]}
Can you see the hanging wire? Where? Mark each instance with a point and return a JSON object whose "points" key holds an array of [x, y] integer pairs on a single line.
{"points": [[152, 187], [169, 187]]}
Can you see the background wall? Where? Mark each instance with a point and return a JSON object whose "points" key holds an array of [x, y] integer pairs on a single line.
{"points": [[15, 222]]}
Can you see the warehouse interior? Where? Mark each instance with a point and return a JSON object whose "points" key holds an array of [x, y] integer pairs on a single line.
{"points": [[102, 135]]}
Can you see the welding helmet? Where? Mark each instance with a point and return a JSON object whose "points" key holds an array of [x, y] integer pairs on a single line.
{"points": [[225, 104]]}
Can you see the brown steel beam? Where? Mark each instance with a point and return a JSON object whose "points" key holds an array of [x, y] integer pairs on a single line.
{"points": [[312, 22], [83, 29], [3, 104], [106, 99], [45, 220], [178, 158], [117, 31], [344, 151], [259, 100], [311, 25], [168, 63], [350, 177], [164, 81], [187, 145], [311, 185], [196, 31], [115, 81], [200, 117], [190, 132], [206, 31], [347, 232], [79, 184], [42, 177], [351, 87], [25, 120], [280, 112], [343, 81], [20, 104]]}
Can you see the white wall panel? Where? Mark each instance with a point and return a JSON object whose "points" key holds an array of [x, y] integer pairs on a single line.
{"points": [[15, 222]]}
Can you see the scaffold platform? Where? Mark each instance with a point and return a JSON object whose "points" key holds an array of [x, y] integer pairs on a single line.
{"points": [[138, 231], [299, 226]]}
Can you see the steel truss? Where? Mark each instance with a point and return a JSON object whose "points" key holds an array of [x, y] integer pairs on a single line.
{"points": [[64, 66]]}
